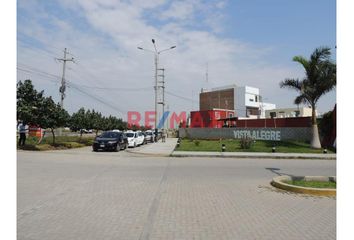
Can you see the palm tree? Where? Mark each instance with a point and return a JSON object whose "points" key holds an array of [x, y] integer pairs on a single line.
{"points": [[320, 78]]}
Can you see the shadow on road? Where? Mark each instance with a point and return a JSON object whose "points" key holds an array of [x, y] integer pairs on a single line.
{"points": [[275, 171]]}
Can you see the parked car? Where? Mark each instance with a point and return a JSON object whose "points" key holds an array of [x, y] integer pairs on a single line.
{"points": [[114, 141], [145, 140], [141, 138], [132, 138], [86, 131], [149, 136]]}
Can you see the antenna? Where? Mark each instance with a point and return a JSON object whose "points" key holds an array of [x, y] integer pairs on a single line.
{"points": [[206, 73]]}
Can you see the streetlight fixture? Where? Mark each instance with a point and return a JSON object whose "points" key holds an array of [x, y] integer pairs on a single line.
{"points": [[156, 60]]}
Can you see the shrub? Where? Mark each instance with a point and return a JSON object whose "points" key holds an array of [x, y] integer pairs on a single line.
{"points": [[72, 144], [86, 141], [196, 142], [246, 142], [44, 147], [325, 124], [29, 147]]}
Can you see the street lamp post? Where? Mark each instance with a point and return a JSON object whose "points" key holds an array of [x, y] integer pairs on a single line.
{"points": [[155, 87], [156, 61]]}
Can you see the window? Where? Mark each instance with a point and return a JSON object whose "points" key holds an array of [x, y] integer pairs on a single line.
{"points": [[130, 134], [256, 98], [251, 100], [273, 114]]}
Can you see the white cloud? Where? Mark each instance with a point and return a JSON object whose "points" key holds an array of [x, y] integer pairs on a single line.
{"points": [[180, 10], [107, 54]]}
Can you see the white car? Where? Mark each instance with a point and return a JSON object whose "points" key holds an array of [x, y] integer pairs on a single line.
{"points": [[149, 136], [132, 138], [141, 138]]}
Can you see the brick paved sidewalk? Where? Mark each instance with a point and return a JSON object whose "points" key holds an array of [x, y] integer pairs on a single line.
{"points": [[158, 149], [110, 196]]}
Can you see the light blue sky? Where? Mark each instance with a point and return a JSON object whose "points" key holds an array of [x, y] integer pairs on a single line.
{"points": [[242, 42]]}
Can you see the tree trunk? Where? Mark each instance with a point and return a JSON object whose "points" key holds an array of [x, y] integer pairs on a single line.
{"points": [[96, 132], [53, 136], [315, 140], [41, 139]]}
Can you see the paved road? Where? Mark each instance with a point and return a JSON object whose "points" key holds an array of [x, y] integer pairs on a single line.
{"points": [[79, 194]]}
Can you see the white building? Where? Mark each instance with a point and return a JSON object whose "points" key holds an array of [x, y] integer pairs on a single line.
{"points": [[249, 103], [289, 112], [246, 101]]}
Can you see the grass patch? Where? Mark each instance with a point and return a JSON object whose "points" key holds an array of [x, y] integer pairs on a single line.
{"points": [[233, 145], [61, 142], [312, 184]]}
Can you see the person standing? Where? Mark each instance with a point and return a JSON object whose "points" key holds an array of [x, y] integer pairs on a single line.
{"points": [[22, 129], [163, 135], [156, 134]]}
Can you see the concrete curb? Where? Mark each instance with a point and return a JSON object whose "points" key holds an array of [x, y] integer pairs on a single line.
{"points": [[279, 183], [253, 155], [149, 154]]}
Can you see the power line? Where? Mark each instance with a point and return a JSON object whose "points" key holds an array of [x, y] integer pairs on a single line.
{"points": [[39, 71], [181, 97], [40, 51], [96, 81], [116, 89], [39, 74], [75, 86], [46, 74], [106, 88], [87, 71], [44, 48], [96, 98]]}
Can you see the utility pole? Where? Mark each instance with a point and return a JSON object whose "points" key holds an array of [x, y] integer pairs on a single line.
{"points": [[162, 102], [63, 83], [156, 58], [155, 87]]}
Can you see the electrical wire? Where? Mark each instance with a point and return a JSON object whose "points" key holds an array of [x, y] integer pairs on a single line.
{"points": [[40, 71], [39, 74], [96, 98], [70, 84], [46, 74], [44, 51], [116, 89], [175, 95]]}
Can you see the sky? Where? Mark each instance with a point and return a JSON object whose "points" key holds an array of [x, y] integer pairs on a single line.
{"points": [[218, 43], [243, 42]]}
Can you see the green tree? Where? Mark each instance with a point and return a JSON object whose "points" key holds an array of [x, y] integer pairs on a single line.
{"points": [[88, 120], [78, 121], [52, 115], [104, 123], [110, 123], [96, 121], [91, 119], [28, 102], [320, 78]]}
